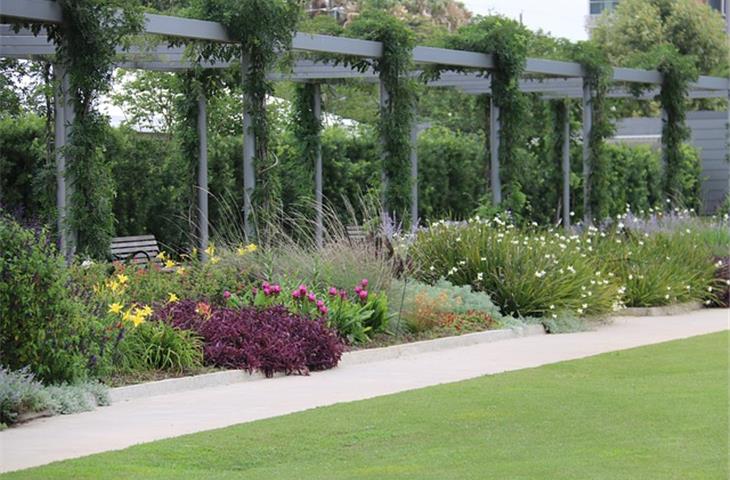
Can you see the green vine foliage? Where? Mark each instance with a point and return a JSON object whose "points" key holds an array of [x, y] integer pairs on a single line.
{"points": [[263, 29], [396, 116], [508, 41], [598, 75], [306, 129], [677, 72], [86, 46]]}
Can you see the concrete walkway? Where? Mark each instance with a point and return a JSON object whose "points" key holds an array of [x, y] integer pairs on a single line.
{"points": [[143, 420]]}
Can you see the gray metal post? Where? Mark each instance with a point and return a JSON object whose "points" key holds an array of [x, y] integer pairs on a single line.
{"points": [[249, 152], [202, 176], [566, 164], [319, 214], [59, 142], [494, 180], [414, 173], [68, 119], [384, 99], [587, 125]]}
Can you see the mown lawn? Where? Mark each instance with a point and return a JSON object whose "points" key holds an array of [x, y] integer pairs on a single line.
{"points": [[657, 412]]}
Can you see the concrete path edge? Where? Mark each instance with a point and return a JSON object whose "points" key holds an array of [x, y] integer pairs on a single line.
{"points": [[215, 379]]}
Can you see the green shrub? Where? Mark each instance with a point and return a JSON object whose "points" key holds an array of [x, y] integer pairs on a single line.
{"points": [[158, 346], [21, 393], [525, 273], [421, 307], [41, 324], [635, 178]]}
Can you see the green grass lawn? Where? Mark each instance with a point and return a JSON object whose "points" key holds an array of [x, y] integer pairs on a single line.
{"points": [[653, 412]]}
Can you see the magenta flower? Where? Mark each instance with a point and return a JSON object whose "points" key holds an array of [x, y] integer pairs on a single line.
{"points": [[323, 309], [296, 293], [226, 294], [265, 285], [364, 283], [363, 294], [267, 290], [358, 289], [333, 291], [312, 297], [343, 294], [320, 304], [276, 289]]}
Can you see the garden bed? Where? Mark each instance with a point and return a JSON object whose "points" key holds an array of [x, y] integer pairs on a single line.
{"points": [[353, 357]]}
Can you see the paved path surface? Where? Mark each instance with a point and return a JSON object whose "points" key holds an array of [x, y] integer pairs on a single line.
{"points": [[153, 418]]}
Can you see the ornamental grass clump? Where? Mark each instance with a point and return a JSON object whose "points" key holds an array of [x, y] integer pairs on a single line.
{"points": [[525, 273], [662, 268], [268, 340]]}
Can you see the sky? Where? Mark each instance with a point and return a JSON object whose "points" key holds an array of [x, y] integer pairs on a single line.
{"points": [[562, 18]]}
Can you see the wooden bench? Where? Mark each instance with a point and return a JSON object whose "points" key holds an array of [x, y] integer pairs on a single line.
{"points": [[355, 233], [138, 249]]}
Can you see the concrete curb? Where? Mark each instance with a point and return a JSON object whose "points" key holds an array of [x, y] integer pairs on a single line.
{"points": [[414, 348], [216, 379], [662, 311]]}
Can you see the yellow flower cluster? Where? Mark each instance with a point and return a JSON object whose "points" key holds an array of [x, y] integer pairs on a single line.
{"points": [[134, 314], [250, 248]]}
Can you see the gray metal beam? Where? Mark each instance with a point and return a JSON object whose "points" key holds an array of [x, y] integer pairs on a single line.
{"points": [[31, 10], [457, 58], [202, 176], [319, 213], [553, 67], [494, 134]]}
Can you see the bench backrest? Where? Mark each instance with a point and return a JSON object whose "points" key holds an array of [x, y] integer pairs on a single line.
{"points": [[355, 233], [137, 249]]}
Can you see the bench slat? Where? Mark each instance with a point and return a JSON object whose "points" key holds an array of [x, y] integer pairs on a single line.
{"points": [[152, 251], [141, 245], [133, 238]]}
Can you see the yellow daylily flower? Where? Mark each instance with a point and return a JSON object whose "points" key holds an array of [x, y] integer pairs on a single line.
{"points": [[172, 298], [127, 315], [251, 247], [194, 252], [113, 285], [214, 260], [169, 263], [240, 251], [115, 307], [210, 250], [145, 311], [162, 256], [180, 270], [137, 319], [122, 279]]}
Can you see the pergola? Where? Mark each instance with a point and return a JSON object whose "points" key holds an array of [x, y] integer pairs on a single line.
{"points": [[550, 78]]}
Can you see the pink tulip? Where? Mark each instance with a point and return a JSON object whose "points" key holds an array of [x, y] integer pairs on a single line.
{"points": [[296, 293], [363, 294], [358, 289], [303, 289], [323, 310], [276, 289], [364, 283], [320, 304], [333, 291], [312, 297], [265, 285], [343, 294], [226, 294]]}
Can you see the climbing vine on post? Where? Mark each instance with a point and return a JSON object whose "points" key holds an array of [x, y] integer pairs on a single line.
{"points": [[263, 29], [507, 40], [306, 128], [681, 177], [396, 116], [597, 75], [86, 46]]}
